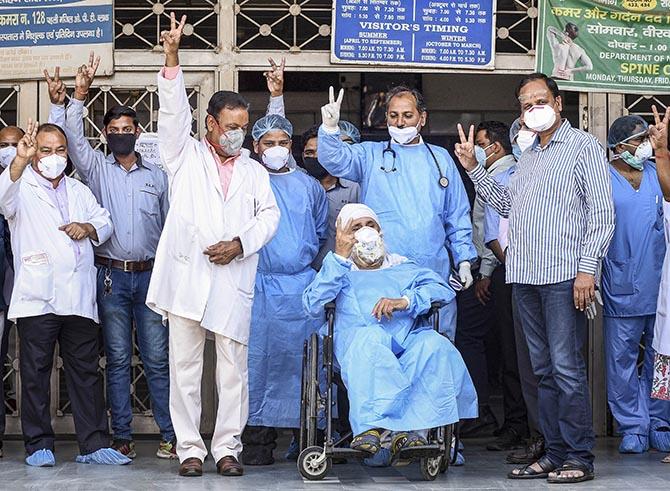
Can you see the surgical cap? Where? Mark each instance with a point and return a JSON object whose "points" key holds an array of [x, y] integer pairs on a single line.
{"points": [[514, 130], [271, 122], [625, 127], [346, 128], [354, 211]]}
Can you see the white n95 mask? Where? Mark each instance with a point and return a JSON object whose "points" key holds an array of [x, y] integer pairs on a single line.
{"points": [[403, 135], [7, 154], [540, 117], [525, 139], [52, 166], [369, 247], [275, 157]]}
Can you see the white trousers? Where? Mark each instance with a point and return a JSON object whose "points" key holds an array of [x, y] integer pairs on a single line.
{"points": [[187, 345]]}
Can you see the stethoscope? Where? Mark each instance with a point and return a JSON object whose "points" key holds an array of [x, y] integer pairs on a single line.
{"points": [[443, 181]]}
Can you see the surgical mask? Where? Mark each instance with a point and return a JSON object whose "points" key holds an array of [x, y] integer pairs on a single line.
{"points": [[480, 154], [231, 141], [121, 144], [525, 139], [540, 117], [7, 154], [52, 166], [275, 157], [643, 152], [403, 135], [369, 247], [314, 168]]}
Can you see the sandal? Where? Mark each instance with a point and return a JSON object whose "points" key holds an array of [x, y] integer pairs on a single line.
{"points": [[666, 460], [571, 466], [527, 472], [403, 439], [369, 441]]}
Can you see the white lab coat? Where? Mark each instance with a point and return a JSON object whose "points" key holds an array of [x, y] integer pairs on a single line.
{"points": [[184, 282], [48, 278], [661, 342]]}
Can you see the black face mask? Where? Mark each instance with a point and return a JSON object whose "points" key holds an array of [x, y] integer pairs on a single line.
{"points": [[314, 168], [121, 144]]}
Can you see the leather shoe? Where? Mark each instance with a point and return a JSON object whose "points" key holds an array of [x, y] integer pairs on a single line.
{"points": [[191, 467], [229, 466], [532, 453]]}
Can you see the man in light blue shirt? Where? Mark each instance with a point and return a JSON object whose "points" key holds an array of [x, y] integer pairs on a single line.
{"points": [[136, 195]]}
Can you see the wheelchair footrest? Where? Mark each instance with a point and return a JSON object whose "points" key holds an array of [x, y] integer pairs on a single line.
{"points": [[420, 451]]}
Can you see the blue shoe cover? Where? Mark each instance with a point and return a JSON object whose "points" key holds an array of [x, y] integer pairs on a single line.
{"points": [[105, 456], [460, 458], [293, 450], [660, 439], [41, 458], [632, 443], [380, 459]]}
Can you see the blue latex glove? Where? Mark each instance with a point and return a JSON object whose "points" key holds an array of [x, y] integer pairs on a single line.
{"points": [[41, 458], [104, 456]]}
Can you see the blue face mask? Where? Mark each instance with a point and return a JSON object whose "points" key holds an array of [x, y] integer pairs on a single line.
{"points": [[480, 154]]}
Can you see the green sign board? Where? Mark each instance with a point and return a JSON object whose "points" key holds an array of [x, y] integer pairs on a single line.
{"points": [[606, 45]]}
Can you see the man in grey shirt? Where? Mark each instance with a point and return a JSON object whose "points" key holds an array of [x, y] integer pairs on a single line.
{"points": [[136, 195]]}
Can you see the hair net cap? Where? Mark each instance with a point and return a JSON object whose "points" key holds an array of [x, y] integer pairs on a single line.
{"points": [[355, 211], [350, 130], [514, 130], [625, 127], [271, 122]]}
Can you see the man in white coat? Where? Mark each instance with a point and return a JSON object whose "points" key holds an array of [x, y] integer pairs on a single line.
{"points": [[54, 222], [222, 211]]}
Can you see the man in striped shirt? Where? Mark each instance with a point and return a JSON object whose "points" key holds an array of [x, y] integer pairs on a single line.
{"points": [[561, 220]]}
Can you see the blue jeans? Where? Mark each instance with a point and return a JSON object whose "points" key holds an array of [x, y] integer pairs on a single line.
{"points": [[126, 303], [555, 332]]}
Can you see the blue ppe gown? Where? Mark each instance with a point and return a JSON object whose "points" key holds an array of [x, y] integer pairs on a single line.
{"points": [[630, 283], [420, 219], [400, 375], [278, 323]]}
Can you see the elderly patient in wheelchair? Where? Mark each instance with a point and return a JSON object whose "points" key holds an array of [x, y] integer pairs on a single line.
{"points": [[401, 375]]}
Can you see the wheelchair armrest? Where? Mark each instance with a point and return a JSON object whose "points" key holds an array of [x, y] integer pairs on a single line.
{"points": [[434, 307]]}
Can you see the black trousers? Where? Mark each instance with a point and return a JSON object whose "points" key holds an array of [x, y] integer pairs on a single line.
{"points": [[473, 324], [514, 405], [4, 349], [78, 339]]}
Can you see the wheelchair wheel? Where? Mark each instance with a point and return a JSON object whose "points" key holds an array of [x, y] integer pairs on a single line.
{"points": [[312, 386], [431, 467], [446, 458], [311, 466]]}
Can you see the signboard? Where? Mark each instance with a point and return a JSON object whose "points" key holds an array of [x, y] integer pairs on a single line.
{"points": [[147, 146], [606, 45], [422, 33], [39, 34]]}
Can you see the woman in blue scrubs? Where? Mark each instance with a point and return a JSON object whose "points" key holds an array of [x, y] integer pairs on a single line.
{"points": [[630, 283]]}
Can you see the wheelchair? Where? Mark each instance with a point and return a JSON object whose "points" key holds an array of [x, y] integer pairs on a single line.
{"points": [[315, 459]]}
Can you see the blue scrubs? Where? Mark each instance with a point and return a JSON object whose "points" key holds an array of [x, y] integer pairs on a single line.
{"points": [[278, 323], [399, 375], [630, 282], [420, 219]]}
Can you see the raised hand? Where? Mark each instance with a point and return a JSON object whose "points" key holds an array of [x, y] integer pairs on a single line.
{"points": [[658, 132], [344, 239], [27, 147], [171, 40], [465, 150], [56, 87], [330, 113], [85, 76], [275, 77]]}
